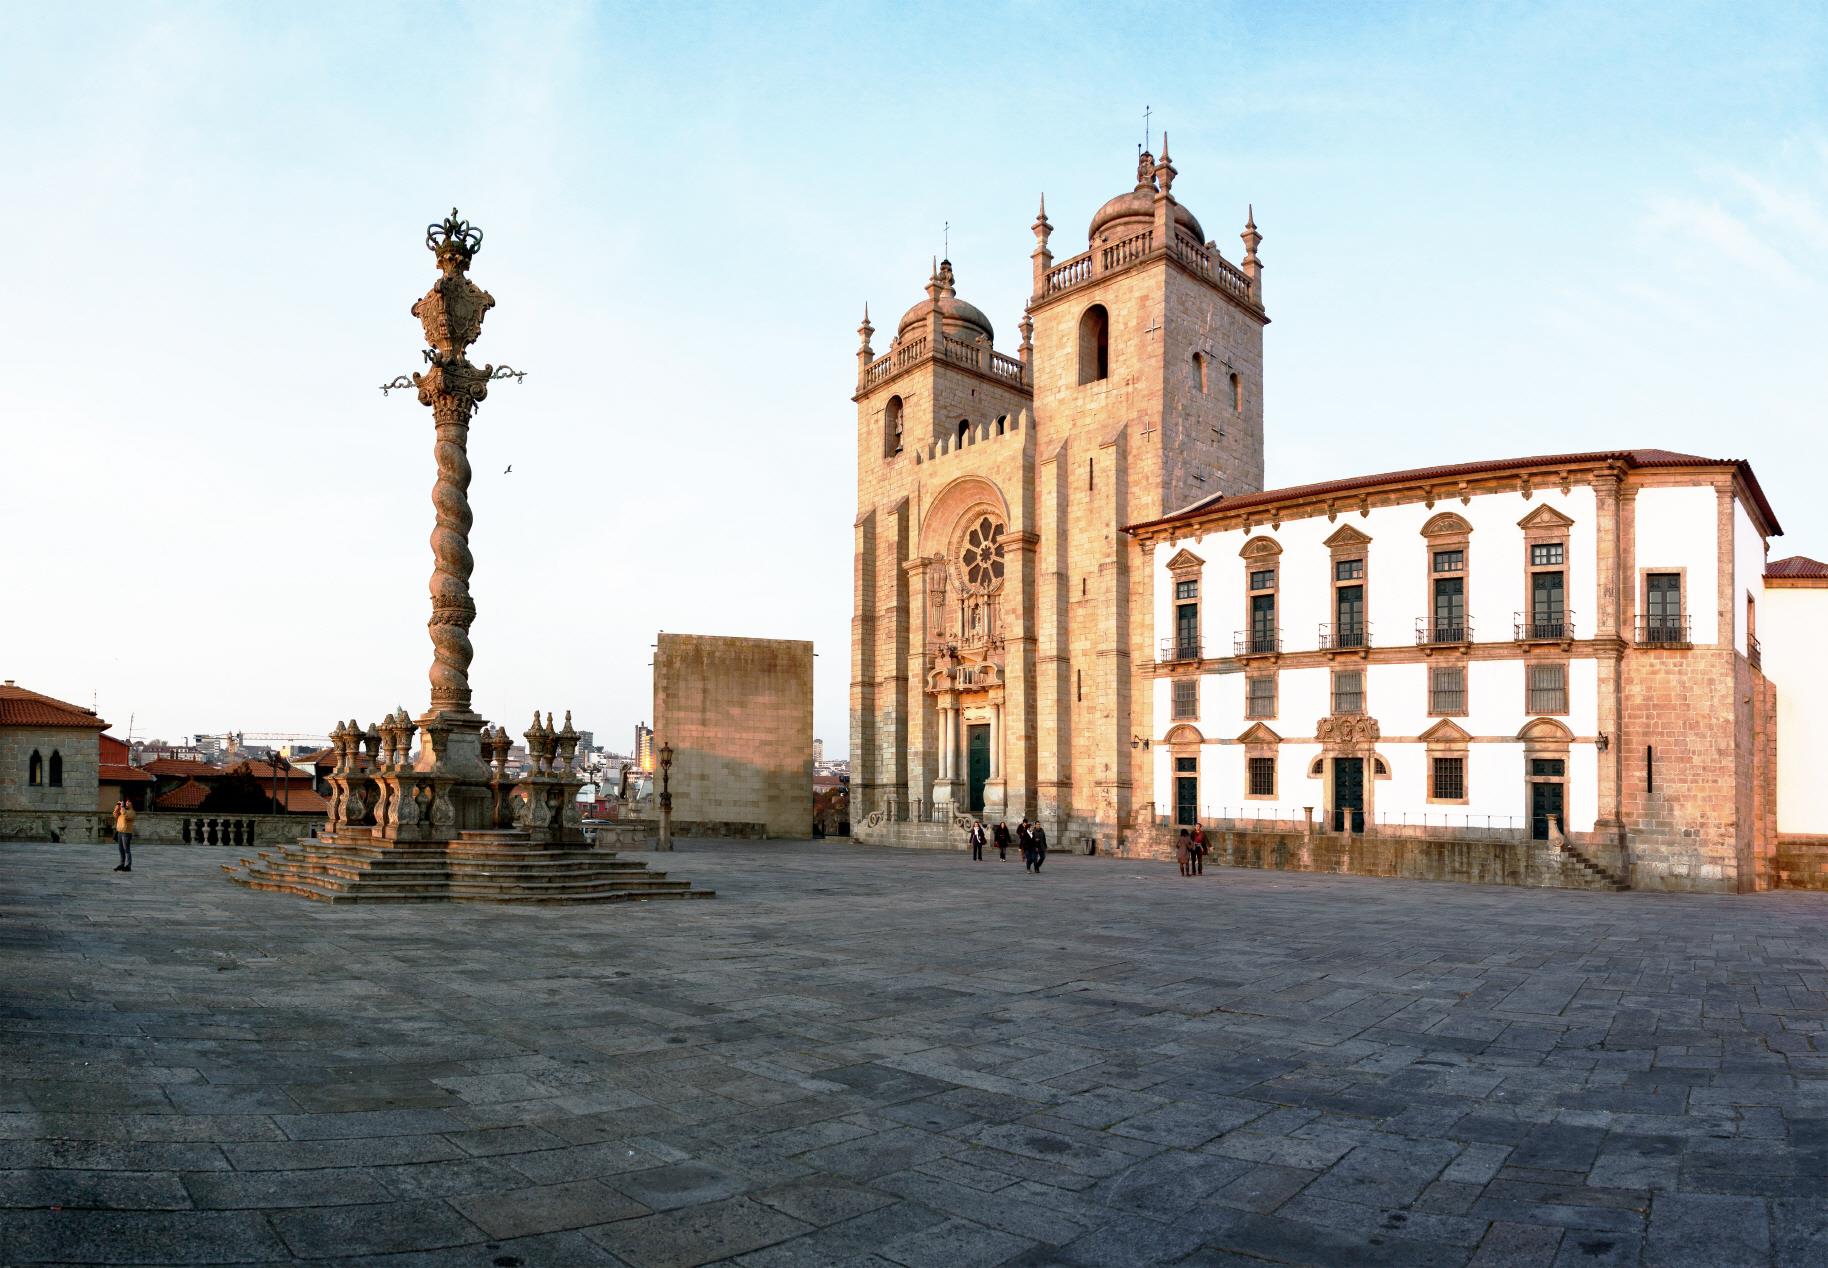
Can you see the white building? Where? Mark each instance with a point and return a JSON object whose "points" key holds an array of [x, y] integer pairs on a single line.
{"points": [[1563, 649]]}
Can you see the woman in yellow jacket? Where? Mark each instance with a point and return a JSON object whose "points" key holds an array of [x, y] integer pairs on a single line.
{"points": [[123, 834]]}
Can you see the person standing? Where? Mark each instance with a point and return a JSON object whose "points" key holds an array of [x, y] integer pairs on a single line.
{"points": [[1001, 832], [123, 834], [977, 841], [1198, 843], [1183, 852], [1039, 838], [1025, 842]]}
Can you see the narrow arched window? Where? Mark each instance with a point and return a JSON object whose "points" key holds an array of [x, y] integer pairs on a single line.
{"points": [[1198, 373], [34, 770], [56, 769], [1094, 344], [1001, 420], [1237, 394], [891, 428], [964, 429]]}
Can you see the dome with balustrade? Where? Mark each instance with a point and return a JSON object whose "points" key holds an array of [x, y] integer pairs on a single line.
{"points": [[956, 317], [1134, 213]]}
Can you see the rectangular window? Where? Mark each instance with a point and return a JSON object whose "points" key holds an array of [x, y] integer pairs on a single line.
{"points": [[1546, 555], [1447, 691], [1186, 765], [1260, 696], [1663, 622], [1263, 580], [1348, 691], [1187, 631], [1186, 698], [1548, 604], [1449, 776], [1450, 609], [1547, 768], [1263, 777], [1548, 689], [1186, 589], [1348, 569], [1263, 623], [1450, 561]]}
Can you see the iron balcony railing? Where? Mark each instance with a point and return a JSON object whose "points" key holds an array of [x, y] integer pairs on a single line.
{"points": [[1544, 627], [1460, 631], [1663, 631], [1178, 649], [1258, 642], [1344, 634], [1753, 652]]}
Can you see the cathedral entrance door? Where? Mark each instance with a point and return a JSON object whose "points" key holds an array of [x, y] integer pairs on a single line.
{"points": [[977, 765], [1348, 793]]}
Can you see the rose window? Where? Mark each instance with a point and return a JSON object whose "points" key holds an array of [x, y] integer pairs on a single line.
{"points": [[982, 557]]}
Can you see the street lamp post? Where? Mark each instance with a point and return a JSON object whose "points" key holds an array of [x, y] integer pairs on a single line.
{"points": [[665, 840]]}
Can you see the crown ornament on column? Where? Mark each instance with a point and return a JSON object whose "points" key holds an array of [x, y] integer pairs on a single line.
{"points": [[453, 240]]}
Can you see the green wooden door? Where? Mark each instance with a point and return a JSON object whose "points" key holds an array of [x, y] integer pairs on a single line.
{"points": [[977, 765]]}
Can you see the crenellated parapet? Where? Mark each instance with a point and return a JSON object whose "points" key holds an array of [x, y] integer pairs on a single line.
{"points": [[1009, 429]]}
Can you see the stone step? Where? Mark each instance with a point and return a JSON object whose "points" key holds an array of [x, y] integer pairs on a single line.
{"points": [[335, 879], [518, 867], [309, 889]]}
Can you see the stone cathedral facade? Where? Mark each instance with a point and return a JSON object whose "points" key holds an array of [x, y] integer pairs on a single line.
{"points": [[1003, 626]]}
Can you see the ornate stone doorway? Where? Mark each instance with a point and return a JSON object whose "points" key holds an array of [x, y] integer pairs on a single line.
{"points": [[1348, 794], [977, 766]]}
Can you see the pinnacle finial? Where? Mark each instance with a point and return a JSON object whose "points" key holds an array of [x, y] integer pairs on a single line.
{"points": [[1165, 145], [1250, 216], [1042, 214]]}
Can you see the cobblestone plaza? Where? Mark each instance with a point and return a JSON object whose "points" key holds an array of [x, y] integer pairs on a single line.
{"points": [[865, 1056]]}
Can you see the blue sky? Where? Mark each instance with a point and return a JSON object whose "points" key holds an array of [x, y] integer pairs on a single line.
{"points": [[1489, 230]]}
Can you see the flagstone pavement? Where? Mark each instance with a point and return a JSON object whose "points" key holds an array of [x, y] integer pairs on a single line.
{"points": [[862, 1056]]}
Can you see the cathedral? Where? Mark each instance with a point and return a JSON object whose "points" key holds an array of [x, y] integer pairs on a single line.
{"points": [[1002, 638]]}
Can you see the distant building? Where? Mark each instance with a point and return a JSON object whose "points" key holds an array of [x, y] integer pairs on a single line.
{"points": [[644, 747], [818, 752], [50, 758]]}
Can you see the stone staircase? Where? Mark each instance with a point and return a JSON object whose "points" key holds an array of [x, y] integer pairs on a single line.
{"points": [[488, 867], [1582, 872]]}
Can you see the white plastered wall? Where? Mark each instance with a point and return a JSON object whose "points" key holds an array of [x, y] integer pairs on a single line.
{"points": [[1790, 624], [1678, 528]]}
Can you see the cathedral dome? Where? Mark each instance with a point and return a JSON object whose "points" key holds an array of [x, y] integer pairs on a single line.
{"points": [[956, 317], [1134, 212]]}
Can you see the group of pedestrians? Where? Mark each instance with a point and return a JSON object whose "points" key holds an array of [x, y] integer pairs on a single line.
{"points": [[1031, 839], [1190, 851]]}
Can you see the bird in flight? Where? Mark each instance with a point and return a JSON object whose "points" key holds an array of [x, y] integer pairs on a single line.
{"points": [[510, 467]]}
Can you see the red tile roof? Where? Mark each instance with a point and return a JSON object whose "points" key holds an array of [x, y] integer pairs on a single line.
{"points": [[264, 771], [19, 707], [172, 767], [186, 796], [301, 801], [114, 773], [1796, 566], [1422, 475]]}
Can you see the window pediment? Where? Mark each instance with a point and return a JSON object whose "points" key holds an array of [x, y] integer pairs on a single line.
{"points": [[1259, 734], [1446, 732], [1545, 518], [1545, 731], [1261, 548], [1447, 524], [1184, 734], [1185, 561], [1347, 536]]}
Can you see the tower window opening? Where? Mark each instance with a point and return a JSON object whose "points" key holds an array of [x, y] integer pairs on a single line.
{"points": [[1001, 420], [964, 429], [56, 769], [1091, 473], [891, 427], [34, 770], [1199, 373], [1094, 344], [1237, 394]]}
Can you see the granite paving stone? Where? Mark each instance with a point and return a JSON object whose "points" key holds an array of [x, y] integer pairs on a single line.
{"points": [[868, 1057]]}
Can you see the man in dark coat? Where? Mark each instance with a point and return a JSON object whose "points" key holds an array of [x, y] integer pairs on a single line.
{"points": [[1001, 833], [1025, 840], [1039, 837]]}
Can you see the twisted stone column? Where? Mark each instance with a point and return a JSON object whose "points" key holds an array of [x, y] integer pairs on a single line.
{"points": [[453, 610]]}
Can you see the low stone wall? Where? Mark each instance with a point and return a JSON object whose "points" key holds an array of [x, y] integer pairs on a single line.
{"points": [[1802, 862], [1470, 860], [155, 827]]}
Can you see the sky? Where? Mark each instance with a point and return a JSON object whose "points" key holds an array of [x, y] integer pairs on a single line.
{"points": [[1489, 230]]}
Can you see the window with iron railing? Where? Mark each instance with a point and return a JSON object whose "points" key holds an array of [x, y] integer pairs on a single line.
{"points": [[1547, 690], [1348, 691], [1345, 635], [1263, 777], [1260, 696], [1663, 621], [1448, 777], [1447, 691], [1186, 698]]}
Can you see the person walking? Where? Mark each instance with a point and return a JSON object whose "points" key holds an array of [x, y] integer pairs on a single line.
{"points": [[1183, 852], [1198, 843], [977, 841], [1039, 839], [1001, 833], [1026, 843], [123, 834]]}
